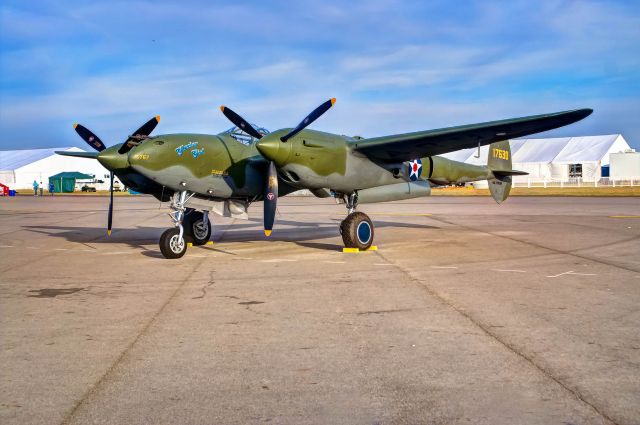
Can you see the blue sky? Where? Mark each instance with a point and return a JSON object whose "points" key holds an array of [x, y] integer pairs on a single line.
{"points": [[394, 66]]}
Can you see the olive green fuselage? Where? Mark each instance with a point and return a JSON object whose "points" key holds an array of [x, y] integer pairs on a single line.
{"points": [[220, 167]]}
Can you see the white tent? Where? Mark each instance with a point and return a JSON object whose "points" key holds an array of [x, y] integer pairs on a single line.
{"points": [[19, 168], [555, 158], [592, 152]]}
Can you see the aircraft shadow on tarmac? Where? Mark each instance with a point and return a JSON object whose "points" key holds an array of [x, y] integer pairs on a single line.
{"points": [[140, 237]]}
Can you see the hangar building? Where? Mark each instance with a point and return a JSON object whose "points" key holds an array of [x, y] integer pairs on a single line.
{"points": [[19, 168], [561, 158]]}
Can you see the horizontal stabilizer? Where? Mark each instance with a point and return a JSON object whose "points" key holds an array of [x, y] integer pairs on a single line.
{"points": [[92, 155], [504, 173]]}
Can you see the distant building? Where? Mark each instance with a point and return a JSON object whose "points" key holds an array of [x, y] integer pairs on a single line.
{"points": [[560, 158], [19, 168]]}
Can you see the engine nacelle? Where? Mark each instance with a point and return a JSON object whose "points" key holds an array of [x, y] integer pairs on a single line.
{"points": [[394, 192]]}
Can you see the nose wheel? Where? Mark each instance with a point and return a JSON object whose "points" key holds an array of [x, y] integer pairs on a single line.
{"points": [[172, 243], [191, 226]]}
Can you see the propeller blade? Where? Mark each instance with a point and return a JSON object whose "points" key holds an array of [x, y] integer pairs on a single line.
{"points": [[317, 113], [140, 133], [240, 122], [270, 198], [88, 136], [110, 216]]}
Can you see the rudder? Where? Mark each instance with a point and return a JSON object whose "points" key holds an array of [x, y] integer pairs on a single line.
{"points": [[499, 162]]}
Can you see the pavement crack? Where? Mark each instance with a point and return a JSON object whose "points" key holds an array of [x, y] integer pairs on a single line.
{"points": [[396, 310], [204, 288], [96, 386], [486, 330]]}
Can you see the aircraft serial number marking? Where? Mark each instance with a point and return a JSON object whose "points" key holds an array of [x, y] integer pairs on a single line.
{"points": [[219, 173], [501, 153], [141, 156]]}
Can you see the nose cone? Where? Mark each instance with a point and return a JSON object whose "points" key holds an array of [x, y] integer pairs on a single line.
{"points": [[112, 160], [273, 149]]}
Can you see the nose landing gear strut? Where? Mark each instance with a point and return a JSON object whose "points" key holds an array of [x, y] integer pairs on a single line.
{"points": [[191, 226]]}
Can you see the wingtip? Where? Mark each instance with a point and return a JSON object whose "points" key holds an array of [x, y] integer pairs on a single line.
{"points": [[333, 101], [108, 232], [222, 108], [267, 232], [75, 124], [582, 113], [158, 118]]}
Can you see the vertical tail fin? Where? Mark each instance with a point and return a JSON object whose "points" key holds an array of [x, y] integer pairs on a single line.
{"points": [[499, 162]]}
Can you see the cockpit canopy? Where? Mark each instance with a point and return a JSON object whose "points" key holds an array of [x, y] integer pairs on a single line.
{"points": [[244, 138]]}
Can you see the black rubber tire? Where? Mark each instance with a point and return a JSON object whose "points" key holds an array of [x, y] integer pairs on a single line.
{"points": [[169, 246], [191, 220], [357, 231]]}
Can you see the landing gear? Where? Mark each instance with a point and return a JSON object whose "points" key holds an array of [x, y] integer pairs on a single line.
{"points": [[357, 231], [197, 227], [357, 228], [172, 242]]}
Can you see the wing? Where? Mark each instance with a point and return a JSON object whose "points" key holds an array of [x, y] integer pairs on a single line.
{"points": [[404, 147], [93, 155]]}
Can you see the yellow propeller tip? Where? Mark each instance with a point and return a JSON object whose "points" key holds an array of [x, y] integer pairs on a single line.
{"points": [[333, 100], [222, 108], [108, 232], [267, 232], [75, 124], [158, 118]]}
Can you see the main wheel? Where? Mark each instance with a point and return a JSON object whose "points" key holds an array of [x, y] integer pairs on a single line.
{"points": [[196, 230], [357, 231], [171, 244]]}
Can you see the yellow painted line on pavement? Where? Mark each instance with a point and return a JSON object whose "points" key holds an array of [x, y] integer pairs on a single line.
{"points": [[624, 216]]}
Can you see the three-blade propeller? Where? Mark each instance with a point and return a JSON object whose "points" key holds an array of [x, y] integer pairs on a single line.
{"points": [[88, 136], [270, 198], [240, 122], [317, 113], [270, 194], [97, 144], [139, 135]]}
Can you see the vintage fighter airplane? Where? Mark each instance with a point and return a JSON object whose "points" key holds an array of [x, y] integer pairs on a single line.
{"points": [[227, 172]]}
